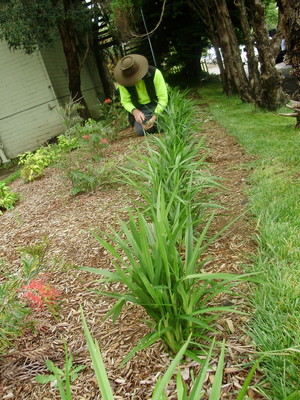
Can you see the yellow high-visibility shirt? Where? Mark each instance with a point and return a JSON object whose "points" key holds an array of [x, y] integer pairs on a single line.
{"points": [[143, 97]]}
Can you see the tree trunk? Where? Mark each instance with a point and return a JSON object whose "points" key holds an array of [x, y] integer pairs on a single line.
{"points": [[233, 64], [253, 71], [261, 87], [290, 11], [68, 37], [271, 94]]}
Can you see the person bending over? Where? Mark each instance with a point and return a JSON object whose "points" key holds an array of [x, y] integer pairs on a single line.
{"points": [[143, 91]]}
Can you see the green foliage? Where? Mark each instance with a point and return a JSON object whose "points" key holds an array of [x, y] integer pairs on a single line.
{"points": [[87, 177], [13, 310], [163, 278], [175, 162], [179, 39], [34, 163], [62, 378], [197, 392], [7, 197], [69, 113], [28, 25], [114, 115], [33, 258], [271, 14], [67, 143], [162, 267]]}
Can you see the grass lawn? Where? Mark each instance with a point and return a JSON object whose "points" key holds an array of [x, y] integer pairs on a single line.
{"points": [[274, 196]]}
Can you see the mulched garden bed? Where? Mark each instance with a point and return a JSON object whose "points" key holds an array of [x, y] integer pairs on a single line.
{"points": [[47, 209]]}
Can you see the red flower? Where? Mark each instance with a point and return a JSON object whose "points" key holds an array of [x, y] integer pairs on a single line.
{"points": [[104, 141], [39, 293], [86, 137], [108, 101]]}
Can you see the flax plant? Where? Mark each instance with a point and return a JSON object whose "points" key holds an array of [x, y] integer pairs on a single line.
{"points": [[197, 391], [176, 162], [163, 278]]}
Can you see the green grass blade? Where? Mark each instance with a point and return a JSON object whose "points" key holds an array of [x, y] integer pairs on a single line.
{"points": [[181, 387], [98, 363], [197, 390], [145, 342], [217, 384], [246, 384], [294, 396], [160, 387]]}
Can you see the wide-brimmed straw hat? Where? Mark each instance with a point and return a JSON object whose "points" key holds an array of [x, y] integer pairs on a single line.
{"points": [[130, 69]]}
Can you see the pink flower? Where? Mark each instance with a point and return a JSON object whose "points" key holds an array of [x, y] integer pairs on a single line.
{"points": [[104, 141], [108, 101], [39, 293], [86, 137]]}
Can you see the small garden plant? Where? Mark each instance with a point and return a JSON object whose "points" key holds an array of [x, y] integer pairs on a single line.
{"points": [[7, 197], [89, 138], [23, 293]]}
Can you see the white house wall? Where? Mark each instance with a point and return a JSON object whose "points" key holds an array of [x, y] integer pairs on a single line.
{"points": [[91, 86], [28, 115]]}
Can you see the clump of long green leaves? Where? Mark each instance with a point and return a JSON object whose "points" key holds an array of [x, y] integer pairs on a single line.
{"points": [[175, 161], [163, 277], [197, 391], [162, 271]]}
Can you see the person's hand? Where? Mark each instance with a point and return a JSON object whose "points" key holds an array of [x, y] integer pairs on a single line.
{"points": [[139, 116], [150, 123]]}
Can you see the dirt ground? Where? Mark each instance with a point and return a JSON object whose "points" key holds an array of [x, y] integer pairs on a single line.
{"points": [[46, 209]]}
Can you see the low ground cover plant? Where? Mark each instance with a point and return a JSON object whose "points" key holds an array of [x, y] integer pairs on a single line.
{"points": [[63, 377], [34, 163], [90, 136], [7, 197]]}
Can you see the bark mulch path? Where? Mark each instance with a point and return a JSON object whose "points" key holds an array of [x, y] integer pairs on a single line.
{"points": [[46, 209]]}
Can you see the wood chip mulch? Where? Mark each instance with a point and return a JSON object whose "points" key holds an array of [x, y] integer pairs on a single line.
{"points": [[47, 209]]}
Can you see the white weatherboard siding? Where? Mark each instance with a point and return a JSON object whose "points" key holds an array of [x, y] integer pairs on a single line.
{"points": [[28, 116], [91, 85]]}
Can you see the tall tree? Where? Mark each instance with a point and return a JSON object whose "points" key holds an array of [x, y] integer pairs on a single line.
{"points": [[177, 35], [32, 24], [262, 84]]}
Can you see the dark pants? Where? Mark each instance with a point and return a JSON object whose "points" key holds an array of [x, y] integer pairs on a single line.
{"points": [[148, 110]]}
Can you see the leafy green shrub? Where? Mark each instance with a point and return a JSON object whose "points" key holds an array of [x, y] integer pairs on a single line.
{"points": [[89, 176], [7, 197], [114, 115], [13, 310], [34, 163], [67, 142]]}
